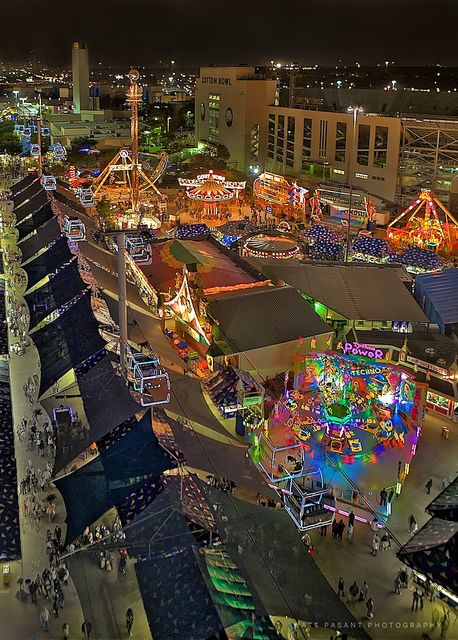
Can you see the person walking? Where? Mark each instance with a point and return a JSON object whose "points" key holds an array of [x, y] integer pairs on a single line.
{"points": [[335, 529], [44, 619], [391, 496], [65, 631], [353, 592], [383, 497], [420, 598], [363, 594], [86, 629], [375, 545], [341, 587], [397, 585], [351, 518], [399, 469], [350, 532], [415, 600], [370, 608], [129, 620], [340, 529], [428, 486], [412, 524]]}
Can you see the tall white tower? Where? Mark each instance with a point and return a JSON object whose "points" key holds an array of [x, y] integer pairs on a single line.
{"points": [[80, 75]]}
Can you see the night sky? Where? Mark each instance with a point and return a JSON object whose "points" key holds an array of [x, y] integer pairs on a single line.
{"points": [[234, 31]]}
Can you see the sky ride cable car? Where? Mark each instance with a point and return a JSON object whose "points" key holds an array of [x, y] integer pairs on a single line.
{"points": [[49, 183], [86, 196], [139, 249], [59, 151], [149, 378], [307, 501], [35, 150], [74, 229]]}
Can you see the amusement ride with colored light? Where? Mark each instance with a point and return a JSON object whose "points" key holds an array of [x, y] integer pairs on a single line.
{"points": [[123, 181], [428, 225]]}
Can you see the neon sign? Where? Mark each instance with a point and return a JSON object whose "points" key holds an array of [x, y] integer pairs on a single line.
{"points": [[365, 350]]}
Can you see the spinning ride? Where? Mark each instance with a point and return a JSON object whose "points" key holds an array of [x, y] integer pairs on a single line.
{"points": [[428, 225], [350, 404], [268, 245]]}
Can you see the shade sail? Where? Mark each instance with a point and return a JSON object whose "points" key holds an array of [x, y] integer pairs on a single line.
{"points": [[28, 193], [35, 221], [59, 290], [106, 402], [31, 206], [47, 262], [132, 459], [67, 341], [46, 234], [433, 551], [182, 608], [445, 505], [23, 183]]}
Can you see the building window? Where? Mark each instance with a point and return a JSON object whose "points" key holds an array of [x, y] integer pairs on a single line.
{"points": [[280, 138], [213, 117], [290, 134], [254, 143], [271, 136], [341, 141], [307, 143], [380, 147], [364, 134], [323, 148]]}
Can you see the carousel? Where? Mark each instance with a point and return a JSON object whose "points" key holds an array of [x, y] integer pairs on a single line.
{"points": [[211, 190]]}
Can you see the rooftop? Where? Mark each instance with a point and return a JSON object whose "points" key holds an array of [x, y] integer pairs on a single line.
{"points": [[357, 292], [264, 318]]}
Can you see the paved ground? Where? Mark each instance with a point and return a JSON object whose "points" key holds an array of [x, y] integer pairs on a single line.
{"points": [[353, 561]]}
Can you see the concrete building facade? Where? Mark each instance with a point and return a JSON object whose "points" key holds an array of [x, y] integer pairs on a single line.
{"points": [[319, 145], [390, 156], [231, 106], [80, 76]]}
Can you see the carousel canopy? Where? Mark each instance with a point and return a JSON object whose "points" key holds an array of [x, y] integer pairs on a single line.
{"points": [[210, 191]]}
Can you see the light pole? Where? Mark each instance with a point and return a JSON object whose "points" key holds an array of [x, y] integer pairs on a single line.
{"points": [[354, 143], [16, 94]]}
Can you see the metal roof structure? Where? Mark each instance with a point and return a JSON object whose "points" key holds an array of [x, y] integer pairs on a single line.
{"points": [[438, 295], [357, 292], [266, 317]]}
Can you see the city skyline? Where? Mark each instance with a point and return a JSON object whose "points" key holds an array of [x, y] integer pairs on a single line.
{"points": [[320, 32]]}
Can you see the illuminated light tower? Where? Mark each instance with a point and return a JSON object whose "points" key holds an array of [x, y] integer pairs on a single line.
{"points": [[134, 98], [126, 162]]}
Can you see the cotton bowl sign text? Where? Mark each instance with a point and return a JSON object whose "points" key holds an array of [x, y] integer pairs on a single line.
{"points": [[365, 350]]}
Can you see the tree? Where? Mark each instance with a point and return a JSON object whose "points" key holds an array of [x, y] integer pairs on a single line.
{"points": [[105, 214], [9, 140]]}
